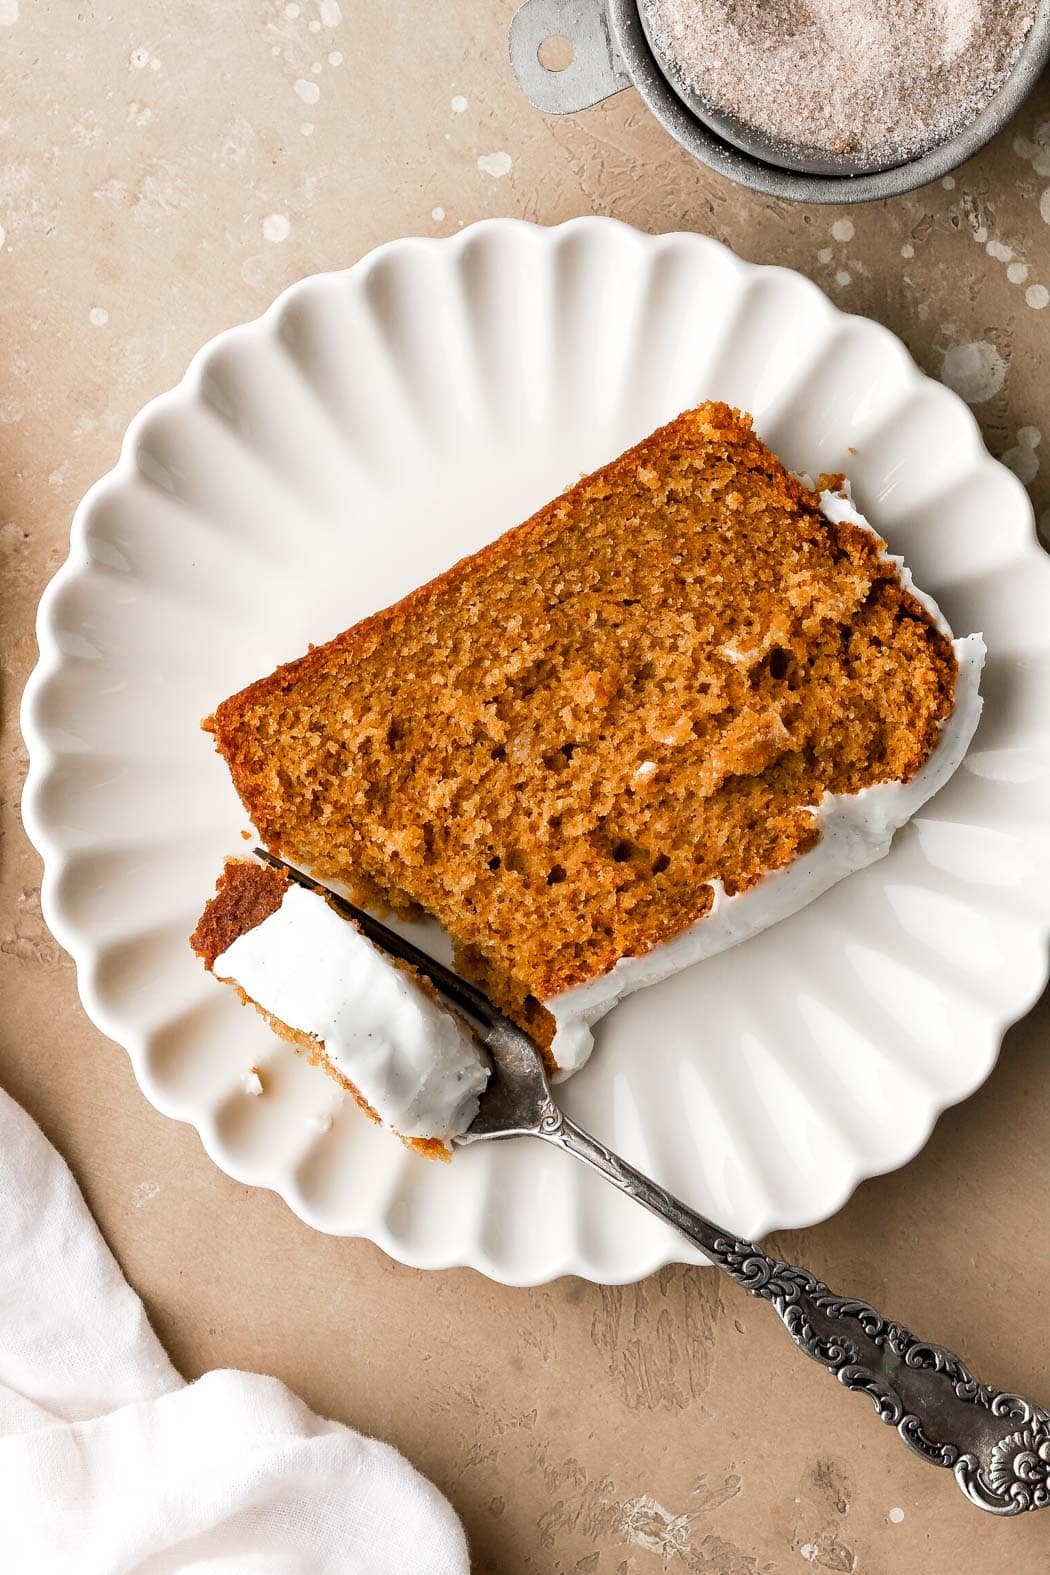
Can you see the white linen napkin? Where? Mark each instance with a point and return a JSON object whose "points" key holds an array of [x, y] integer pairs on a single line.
{"points": [[110, 1463]]}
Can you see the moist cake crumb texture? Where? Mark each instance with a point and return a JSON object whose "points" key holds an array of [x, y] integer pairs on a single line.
{"points": [[556, 747]]}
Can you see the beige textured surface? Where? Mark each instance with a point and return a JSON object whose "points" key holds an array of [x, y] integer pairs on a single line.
{"points": [[153, 159]]}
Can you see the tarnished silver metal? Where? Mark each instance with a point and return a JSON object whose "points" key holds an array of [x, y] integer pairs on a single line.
{"points": [[613, 51], [460, 993], [997, 1444], [596, 71]]}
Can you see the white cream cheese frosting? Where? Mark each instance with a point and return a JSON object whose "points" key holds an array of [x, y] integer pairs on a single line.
{"points": [[416, 1064], [856, 830]]}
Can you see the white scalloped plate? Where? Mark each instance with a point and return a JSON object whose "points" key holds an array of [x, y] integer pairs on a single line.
{"points": [[371, 428]]}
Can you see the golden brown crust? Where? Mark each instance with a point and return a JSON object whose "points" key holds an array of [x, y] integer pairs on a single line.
{"points": [[709, 420], [246, 893]]}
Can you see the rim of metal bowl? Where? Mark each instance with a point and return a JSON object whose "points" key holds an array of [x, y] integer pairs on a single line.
{"points": [[772, 180]]}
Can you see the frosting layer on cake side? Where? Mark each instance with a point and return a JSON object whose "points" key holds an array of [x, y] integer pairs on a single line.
{"points": [[417, 1066], [856, 829]]}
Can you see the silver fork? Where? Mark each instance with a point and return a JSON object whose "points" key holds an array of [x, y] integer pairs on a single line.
{"points": [[997, 1444]]}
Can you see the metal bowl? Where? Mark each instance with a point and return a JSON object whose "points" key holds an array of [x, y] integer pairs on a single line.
{"points": [[611, 51]]}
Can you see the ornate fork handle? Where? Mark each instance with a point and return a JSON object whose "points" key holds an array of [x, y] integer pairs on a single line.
{"points": [[997, 1444]]}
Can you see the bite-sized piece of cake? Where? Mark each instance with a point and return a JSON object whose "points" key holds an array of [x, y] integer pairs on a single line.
{"points": [[673, 706], [372, 1022]]}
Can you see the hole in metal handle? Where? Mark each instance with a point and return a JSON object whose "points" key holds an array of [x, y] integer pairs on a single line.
{"points": [[563, 55], [556, 53]]}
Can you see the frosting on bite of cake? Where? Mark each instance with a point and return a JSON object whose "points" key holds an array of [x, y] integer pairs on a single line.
{"points": [[376, 1025]]}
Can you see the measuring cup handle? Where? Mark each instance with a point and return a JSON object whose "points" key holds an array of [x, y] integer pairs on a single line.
{"points": [[596, 71]]}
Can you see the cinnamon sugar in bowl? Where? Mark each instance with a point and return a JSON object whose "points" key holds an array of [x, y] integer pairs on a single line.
{"points": [[837, 101]]}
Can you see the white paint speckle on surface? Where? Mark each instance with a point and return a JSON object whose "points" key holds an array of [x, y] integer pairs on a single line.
{"points": [[1001, 253], [251, 1082], [291, 11], [1044, 205], [1023, 459], [437, 214], [315, 67], [239, 143], [308, 91], [895, 1516], [843, 278], [1017, 272], [948, 183], [975, 371], [307, 128], [276, 228], [145, 1192], [808, 1551], [458, 105], [335, 58], [315, 26], [1024, 463], [139, 114], [495, 164], [115, 191], [8, 13], [330, 13], [907, 250], [825, 254], [648, 1525], [843, 230], [980, 234], [98, 317], [255, 270], [3, 235], [140, 58], [1036, 153], [86, 131], [1037, 296]]}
